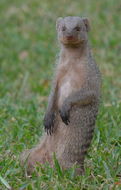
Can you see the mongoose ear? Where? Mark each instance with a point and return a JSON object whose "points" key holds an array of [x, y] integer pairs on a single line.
{"points": [[87, 25], [59, 20]]}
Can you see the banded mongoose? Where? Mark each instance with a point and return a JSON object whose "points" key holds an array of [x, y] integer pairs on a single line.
{"points": [[74, 100]]}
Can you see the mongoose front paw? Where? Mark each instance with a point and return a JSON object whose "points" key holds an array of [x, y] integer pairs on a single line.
{"points": [[49, 122], [64, 113]]}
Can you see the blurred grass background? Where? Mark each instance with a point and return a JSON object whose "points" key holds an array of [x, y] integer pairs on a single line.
{"points": [[28, 47]]}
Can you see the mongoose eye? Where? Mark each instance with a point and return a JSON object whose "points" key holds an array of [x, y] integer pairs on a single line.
{"points": [[77, 28], [63, 28]]}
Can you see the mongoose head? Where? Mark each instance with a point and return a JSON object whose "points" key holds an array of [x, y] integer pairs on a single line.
{"points": [[72, 31]]}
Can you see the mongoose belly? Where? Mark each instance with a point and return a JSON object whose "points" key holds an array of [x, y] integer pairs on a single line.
{"points": [[76, 137]]}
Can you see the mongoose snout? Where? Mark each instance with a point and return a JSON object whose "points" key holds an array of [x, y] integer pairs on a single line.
{"points": [[70, 37]]}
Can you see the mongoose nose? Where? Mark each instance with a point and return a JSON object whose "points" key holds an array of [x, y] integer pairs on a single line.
{"points": [[69, 37]]}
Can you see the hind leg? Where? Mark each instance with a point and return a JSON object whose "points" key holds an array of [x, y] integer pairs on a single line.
{"points": [[34, 156], [25, 160], [39, 154]]}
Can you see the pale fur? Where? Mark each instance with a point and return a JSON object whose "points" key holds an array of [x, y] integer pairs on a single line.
{"points": [[76, 88]]}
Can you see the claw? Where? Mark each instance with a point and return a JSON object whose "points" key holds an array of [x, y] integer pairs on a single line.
{"points": [[64, 117], [49, 123]]}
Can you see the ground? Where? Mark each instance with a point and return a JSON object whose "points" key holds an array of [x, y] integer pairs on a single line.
{"points": [[28, 48]]}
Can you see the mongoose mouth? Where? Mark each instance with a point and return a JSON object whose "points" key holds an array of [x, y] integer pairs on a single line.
{"points": [[70, 41], [69, 38]]}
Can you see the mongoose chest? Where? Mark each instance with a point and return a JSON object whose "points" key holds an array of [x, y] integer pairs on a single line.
{"points": [[72, 75]]}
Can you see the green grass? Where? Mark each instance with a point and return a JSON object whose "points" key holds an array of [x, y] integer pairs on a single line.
{"points": [[28, 48]]}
